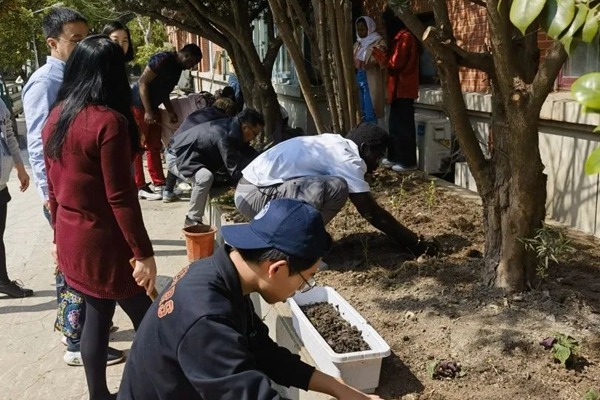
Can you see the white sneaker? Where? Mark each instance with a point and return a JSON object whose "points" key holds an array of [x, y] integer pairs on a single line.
{"points": [[146, 193], [387, 163], [402, 168], [184, 186], [64, 341], [158, 188], [73, 358]]}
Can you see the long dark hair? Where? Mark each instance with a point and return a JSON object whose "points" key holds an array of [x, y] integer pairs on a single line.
{"points": [[112, 26], [94, 75]]}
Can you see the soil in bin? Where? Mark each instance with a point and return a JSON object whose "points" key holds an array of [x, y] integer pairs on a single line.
{"points": [[439, 309], [337, 332]]}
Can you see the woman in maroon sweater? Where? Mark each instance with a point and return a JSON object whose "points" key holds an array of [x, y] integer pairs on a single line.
{"points": [[88, 139]]}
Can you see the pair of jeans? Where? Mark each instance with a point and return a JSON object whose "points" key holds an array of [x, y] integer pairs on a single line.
{"points": [[73, 343], [364, 95], [201, 184]]}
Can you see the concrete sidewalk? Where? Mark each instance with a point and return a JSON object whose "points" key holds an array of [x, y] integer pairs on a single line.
{"points": [[31, 356]]}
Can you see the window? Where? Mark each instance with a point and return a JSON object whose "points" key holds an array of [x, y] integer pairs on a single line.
{"points": [[584, 59], [283, 69]]}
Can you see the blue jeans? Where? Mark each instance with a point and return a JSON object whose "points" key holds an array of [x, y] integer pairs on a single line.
{"points": [[72, 343], [366, 103]]}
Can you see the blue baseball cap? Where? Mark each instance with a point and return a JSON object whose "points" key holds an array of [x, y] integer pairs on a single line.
{"points": [[291, 226]]}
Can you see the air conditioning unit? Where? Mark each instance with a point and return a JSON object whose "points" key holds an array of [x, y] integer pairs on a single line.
{"points": [[434, 138]]}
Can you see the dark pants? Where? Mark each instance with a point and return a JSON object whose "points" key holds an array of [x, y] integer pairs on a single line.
{"points": [[403, 147], [4, 199], [94, 339]]}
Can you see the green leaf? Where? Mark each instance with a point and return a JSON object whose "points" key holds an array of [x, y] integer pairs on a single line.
{"points": [[524, 12], [592, 164], [591, 395], [590, 28], [557, 16], [586, 90], [561, 353], [432, 368], [581, 13]]}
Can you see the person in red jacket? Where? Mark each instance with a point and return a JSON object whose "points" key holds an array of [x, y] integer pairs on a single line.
{"points": [[402, 90], [88, 139]]}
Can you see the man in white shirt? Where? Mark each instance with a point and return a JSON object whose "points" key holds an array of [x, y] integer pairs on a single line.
{"points": [[325, 170]]}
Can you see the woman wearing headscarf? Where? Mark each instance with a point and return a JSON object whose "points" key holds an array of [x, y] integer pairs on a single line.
{"points": [[370, 62]]}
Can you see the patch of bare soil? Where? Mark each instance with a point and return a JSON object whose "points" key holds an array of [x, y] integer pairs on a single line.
{"points": [[439, 309], [337, 332]]}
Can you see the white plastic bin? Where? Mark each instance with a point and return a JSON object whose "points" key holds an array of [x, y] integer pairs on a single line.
{"points": [[359, 369]]}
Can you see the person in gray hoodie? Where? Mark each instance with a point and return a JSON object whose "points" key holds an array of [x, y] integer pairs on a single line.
{"points": [[10, 156]]}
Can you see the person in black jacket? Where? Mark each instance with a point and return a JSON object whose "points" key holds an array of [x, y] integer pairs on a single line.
{"points": [[222, 108], [198, 152], [202, 340]]}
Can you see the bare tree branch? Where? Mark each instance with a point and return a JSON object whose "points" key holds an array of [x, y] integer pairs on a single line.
{"points": [[543, 82]]}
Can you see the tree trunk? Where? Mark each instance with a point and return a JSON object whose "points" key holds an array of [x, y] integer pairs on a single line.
{"points": [[293, 42], [258, 90], [515, 207]]}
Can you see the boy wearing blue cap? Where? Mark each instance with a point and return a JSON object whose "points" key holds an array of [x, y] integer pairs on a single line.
{"points": [[202, 339]]}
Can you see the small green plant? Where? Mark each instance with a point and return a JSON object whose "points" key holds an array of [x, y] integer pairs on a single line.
{"points": [[564, 348], [591, 395], [226, 199], [364, 241], [431, 195], [548, 245]]}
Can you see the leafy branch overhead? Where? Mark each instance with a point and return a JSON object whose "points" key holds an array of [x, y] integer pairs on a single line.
{"points": [[564, 20]]}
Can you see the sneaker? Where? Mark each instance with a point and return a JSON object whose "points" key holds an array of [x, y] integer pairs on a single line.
{"points": [[113, 328], [15, 289], [169, 197], [387, 163], [402, 168], [146, 193], [184, 186], [190, 222], [73, 358], [428, 246], [158, 188]]}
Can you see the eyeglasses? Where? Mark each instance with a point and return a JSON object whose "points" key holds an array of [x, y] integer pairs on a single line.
{"points": [[75, 42], [308, 284]]}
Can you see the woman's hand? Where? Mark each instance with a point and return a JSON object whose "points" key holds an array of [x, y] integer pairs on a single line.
{"points": [[144, 273], [23, 178]]}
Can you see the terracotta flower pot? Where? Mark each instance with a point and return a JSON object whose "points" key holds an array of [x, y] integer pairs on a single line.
{"points": [[199, 241]]}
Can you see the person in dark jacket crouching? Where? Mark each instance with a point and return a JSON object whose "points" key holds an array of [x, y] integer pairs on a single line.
{"points": [[202, 339], [197, 153]]}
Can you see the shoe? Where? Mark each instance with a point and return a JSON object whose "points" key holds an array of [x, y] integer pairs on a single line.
{"points": [[15, 289], [402, 168], [428, 246], [158, 188], [185, 187], [73, 358], [387, 163], [190, 222], [169, 197], [64, 341], [146, 193]]}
